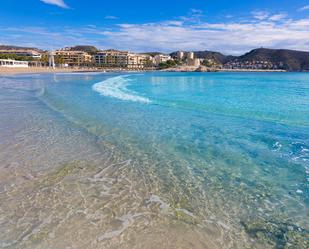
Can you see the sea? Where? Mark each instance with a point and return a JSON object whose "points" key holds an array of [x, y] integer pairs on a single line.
{"points": [[154, 160]]}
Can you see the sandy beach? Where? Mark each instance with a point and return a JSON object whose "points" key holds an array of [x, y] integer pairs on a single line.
{"points": [[26, 70], [32, 70]]}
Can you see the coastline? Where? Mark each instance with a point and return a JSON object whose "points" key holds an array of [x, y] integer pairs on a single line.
{"points": [[251, 70], [208, 70], [31, 70]]}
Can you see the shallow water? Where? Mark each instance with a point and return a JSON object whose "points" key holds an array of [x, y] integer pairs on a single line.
{"points": [[154, 160]]}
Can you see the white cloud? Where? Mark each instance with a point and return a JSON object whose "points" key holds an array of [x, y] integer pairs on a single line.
{"points": [[111, 17], [59, 3], [264, 16], [231, 37], [277, 17], [306, 7], [260, 15]]}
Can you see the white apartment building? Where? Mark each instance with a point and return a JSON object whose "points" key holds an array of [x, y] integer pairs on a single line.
{"points": [[122, 59], [138, 61], [72, 58], [160, 58]]}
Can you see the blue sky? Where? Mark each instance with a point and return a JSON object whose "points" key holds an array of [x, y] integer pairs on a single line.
{"points": [[228, 26]]}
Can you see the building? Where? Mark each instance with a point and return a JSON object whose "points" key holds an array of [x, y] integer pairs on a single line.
{"points": [[139, 61], [111, 58], [22, 52], [13, 63], [180, 55], [193, 62], [72, 58], [161, 58], [254, 65], [190, 55], [122, 59]]}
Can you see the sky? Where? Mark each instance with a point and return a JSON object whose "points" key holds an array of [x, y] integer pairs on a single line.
{"points": [[228, 26]]}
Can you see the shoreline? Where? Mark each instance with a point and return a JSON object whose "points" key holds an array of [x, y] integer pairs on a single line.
{"points": [[252, 70], [33, 70], [203, 69]]}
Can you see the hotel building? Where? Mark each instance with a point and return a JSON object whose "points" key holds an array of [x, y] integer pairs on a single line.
{"points": [[139, 61], [121, 59], [111, 58], [72, 58]]}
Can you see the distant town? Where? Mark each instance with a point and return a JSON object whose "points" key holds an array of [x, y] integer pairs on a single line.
{"points": [[89, 57]]}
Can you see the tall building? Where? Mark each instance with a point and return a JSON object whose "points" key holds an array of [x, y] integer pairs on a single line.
{"points": [[72, 58], [190, 55], [180, 55]]}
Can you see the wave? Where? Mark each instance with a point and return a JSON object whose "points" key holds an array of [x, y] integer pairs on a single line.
{"points": [[116, 87]]}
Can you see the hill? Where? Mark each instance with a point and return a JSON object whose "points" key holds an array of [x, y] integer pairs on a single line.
{"points": [[151, 53], [290, 60], [10, 47], [85, 48], [215, 56]]}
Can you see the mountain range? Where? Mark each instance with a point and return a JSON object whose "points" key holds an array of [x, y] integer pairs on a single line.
{"points": [[291, 60]]}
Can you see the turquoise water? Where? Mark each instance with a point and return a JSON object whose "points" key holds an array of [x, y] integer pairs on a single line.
{"points": [[227, 153]]}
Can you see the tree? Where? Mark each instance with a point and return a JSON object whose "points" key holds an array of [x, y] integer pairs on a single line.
{"points": [[167, 64], [16, 57]]}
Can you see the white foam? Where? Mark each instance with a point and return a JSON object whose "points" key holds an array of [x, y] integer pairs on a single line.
{"points": [[116, 87]]}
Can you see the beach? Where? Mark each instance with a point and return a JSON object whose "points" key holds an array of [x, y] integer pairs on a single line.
{"points": [[33, 70], [154, 160]]}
